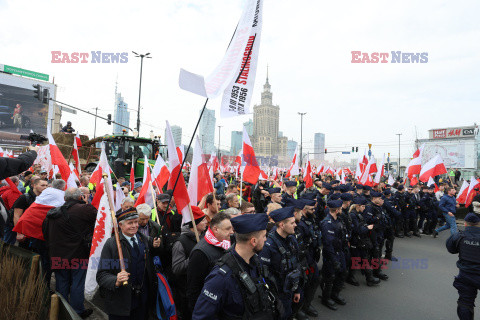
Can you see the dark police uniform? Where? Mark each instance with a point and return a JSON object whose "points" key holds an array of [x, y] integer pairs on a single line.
{"points": [[281, 256], [467, 245], [236, 289], [429, 207], [334, 265], [392, 215]]}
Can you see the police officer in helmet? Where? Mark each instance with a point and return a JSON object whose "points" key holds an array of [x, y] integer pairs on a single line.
{"points": [[239, 286]]}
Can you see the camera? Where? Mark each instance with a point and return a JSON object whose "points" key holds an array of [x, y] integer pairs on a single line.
{"points": [[34, 138]]}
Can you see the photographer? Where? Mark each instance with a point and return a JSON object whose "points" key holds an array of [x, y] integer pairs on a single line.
{"points": [[13, 166]]}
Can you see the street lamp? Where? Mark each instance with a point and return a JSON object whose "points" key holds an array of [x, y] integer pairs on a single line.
{"points": [[218, 156], [301, 135], [141, 56], [398, 166]]}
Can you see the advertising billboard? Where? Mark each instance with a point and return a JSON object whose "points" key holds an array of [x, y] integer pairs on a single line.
{"points": [[456, 153], [20, 111]]}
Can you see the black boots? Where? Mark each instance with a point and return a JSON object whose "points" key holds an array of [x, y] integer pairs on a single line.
{"points": [[351, 278], [310, 310], [326, 296], [371, 280]]}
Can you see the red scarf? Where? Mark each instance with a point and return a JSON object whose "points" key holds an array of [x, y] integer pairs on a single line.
{"points": [[211, 239]]}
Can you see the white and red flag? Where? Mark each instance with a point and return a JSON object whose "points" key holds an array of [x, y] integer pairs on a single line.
{"points": [[432, 182], [294, 169], [471, 191], [180, 193], [160, 173], [97, 177], [380, 172], [462, 194], [146, 193], [58, 160], [101, 233], [30, 223], [132, 173], [415, 165], [200, 182], [251, 172], [308, 176], [75, 153], [366, 179], [432, 168]]}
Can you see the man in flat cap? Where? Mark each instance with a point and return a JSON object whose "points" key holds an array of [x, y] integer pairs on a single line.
{"points": [[467, 245], [238, 286], [131, 301], [280, 254]]}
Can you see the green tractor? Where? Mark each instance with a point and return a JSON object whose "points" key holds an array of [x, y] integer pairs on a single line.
{"points": [[121, 150]]}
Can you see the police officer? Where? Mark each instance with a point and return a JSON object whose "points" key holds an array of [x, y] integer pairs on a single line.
{"points": [[334, 266], [429, 205], [375, 214], [399, 199], [290, 190], [412, 199], [392, 215], [239, 287], [360, 243], [280, 255], [347, 223], [275, 196], [467, 245], [322, 199]]}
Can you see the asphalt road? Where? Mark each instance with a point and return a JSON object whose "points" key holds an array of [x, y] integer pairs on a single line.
{"points": [[423, 291]]}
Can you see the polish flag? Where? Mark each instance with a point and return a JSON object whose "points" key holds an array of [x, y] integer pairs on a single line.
{"points": [[390, 181], [432, 182], [320, 169], [263, 175], [200, 182], [2, 153], [462, 194], [75, 154], [329, 170], [214, 162], [74, 171], [471, 192], [180, 193], [381, 172], [146, 193], [252, 170], [414, 180], [119, 196], [59, 160], [366, 179], [276, 174], [101, 233], [348, 171], [160, 173], [30, 223], [432, 168], [363, 162], [97, 177], [294, 169], [308, 176], [132, 173], [415, 165]]}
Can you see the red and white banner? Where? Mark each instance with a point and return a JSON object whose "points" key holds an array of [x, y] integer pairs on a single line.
{"points": [[235, 74], [102, 232], [75, 153], [160, 173], [294, 168], [58, 159], [471, 193], [415, 165], [252, 169], [462, 194], [146, 193], [380, 172]]}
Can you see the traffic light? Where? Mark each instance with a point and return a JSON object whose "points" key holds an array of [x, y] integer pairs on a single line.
{"points": [[46, 96], [356, 149], [353, 149], [109, 117], [37, 92], [325, 150]]}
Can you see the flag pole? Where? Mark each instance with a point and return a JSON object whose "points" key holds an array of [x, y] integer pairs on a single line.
{"points": [[193, 223], [241, 186], [115, 225], [183, 162]]}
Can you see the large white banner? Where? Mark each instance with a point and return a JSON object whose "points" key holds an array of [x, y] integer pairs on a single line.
{"points": [[237, 68], [237, 96]]}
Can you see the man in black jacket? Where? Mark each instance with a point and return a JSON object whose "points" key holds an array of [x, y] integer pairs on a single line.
{"points": [[206, 253], [128, 301], [66, 232], [13, 166]]}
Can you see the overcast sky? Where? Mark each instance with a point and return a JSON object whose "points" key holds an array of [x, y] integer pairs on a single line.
{"points": [[306, 43]]}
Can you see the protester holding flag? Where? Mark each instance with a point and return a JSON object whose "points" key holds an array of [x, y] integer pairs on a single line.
{"points": [[68, 232], [133, 300]]}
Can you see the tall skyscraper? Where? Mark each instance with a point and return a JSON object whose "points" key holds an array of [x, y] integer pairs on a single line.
{"points": [[319, 146], [291, 146], [236, 142], [207, 131], [177, 134], [249, 127], [120, 114], [265, 125]]}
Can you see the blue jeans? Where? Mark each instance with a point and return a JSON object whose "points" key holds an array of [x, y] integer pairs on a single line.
{"points": [[451, 224], [9, 236], [71, 282]]}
